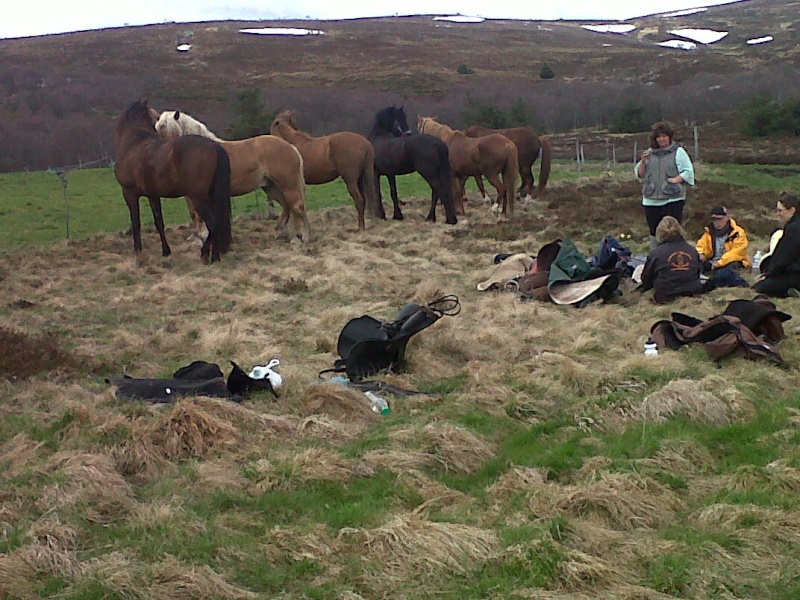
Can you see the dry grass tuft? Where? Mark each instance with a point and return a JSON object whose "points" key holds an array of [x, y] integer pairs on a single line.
{"points": [[580, 570], [692, 399], [457, 449], [399, 461], [18, 577], [93, 481], [619, 500], [173, 581], [322, 427], [337, 401], [193, 429], [18, 454], [313, 464], [517, 479], [118, 572], [411, 546]]}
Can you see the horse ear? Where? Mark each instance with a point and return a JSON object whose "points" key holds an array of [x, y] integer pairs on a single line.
{"points": [[177, 115]]}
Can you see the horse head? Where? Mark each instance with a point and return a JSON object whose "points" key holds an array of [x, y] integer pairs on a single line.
{"points": [[285, 118], [138, 115], [392, 120], [168, 123]]}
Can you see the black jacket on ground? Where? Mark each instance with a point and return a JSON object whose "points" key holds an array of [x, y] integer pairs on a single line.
{"points": [[673, 269]]}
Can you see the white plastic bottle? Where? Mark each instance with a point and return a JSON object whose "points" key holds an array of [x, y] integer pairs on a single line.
{"points": [[757, 263], [650, 348], [378, 404]]}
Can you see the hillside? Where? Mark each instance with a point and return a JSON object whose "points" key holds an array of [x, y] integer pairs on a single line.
{"points": [[60, 93]]}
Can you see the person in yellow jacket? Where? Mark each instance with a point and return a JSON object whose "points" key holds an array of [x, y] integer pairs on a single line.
{"points": [[723, 249]]}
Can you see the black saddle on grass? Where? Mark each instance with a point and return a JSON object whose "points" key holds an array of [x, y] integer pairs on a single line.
{"points": [[367, 345]]}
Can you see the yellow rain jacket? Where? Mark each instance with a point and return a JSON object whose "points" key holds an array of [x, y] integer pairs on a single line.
{"points": [[735, 246]]}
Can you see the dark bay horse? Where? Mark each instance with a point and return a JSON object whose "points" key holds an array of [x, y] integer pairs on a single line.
{"points": [[264, 161], [344, 154], [493, 156], [150, 165], [529, 147], [400, 152]]}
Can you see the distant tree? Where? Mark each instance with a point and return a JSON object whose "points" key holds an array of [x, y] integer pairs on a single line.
{"points": [[253, 117], [763, 116], [465, 70], [476, 112], [518, 114], [546, 72], [630, 118]]}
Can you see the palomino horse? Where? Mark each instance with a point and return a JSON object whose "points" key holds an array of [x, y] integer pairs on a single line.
{"points": [[399, 152], [148, 164], [529, 147], [345, 154], [492, 156], [264, 161]]}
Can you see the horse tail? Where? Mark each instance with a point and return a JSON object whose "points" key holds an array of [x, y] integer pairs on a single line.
{"points": [[446, 185], [511, 176], [368, 185], [221, 197], [300, 211], [546, 151]]}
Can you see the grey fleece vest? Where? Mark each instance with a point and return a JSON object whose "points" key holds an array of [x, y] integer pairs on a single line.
{"points": [[662, 165]]}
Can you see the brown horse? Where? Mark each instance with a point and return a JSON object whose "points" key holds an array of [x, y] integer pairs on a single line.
{"points": [[148, 164], [493, 156], [529, 147], [265, 161], [345, 154]]}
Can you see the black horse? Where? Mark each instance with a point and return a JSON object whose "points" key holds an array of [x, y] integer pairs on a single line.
{"points": [[400, 152]]}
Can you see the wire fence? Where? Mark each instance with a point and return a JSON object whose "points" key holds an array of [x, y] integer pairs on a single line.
{"points": [[61, 173]]}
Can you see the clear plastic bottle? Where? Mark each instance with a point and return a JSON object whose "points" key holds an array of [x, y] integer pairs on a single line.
{"points": [[378, 404], [650, 348], [757, 263]]}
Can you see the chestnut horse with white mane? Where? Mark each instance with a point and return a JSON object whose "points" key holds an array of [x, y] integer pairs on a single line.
{"points": [[493, 156], [344, 154], [264, 161]]}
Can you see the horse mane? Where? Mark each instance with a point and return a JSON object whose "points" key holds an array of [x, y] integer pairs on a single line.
{"points": [[440, 130], [174, 123]]}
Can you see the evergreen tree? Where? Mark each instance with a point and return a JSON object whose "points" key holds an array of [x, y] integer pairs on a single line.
{"points": [[253, 117], [630, 118], [481, 113], [518, 114], [546, 72]]}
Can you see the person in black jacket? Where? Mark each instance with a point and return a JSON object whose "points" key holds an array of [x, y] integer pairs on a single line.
{"points": [[781, 276], [673, 268]]}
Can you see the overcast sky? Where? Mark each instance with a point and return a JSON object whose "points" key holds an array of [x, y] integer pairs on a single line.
{"points": [[58, 16]]}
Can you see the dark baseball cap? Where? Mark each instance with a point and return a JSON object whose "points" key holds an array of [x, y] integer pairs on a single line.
{"points": [[719, 211]]}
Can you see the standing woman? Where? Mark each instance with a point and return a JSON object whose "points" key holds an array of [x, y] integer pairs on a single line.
{"points": [[781, 276], [665, 170]]}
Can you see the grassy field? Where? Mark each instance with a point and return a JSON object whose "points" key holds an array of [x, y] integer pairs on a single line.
{"points": [[38, 209], [546, 457]]}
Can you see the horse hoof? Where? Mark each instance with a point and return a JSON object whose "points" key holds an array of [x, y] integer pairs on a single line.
{"points": [[452, 222]]}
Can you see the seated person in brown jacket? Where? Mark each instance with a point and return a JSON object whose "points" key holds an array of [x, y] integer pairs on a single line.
{"points": [[673, 268]]}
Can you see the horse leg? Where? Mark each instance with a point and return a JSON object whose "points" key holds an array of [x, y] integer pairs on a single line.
{"points": [[479, 181], [398, 214], [458, 193], [526, 189], [209, 251], [132, 200], [432, 214], [379, 194], [199, 229], [158, 218], [500, 204], [360, 202], [275, 194]]}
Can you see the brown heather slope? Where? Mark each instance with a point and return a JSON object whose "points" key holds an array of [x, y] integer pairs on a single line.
{"points": [[60, 93]]}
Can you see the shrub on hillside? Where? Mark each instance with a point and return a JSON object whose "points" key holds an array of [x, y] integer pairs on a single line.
{"points": [[630, 119], [546, 72], [465, 70], [763, 117], [23, 355]]}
